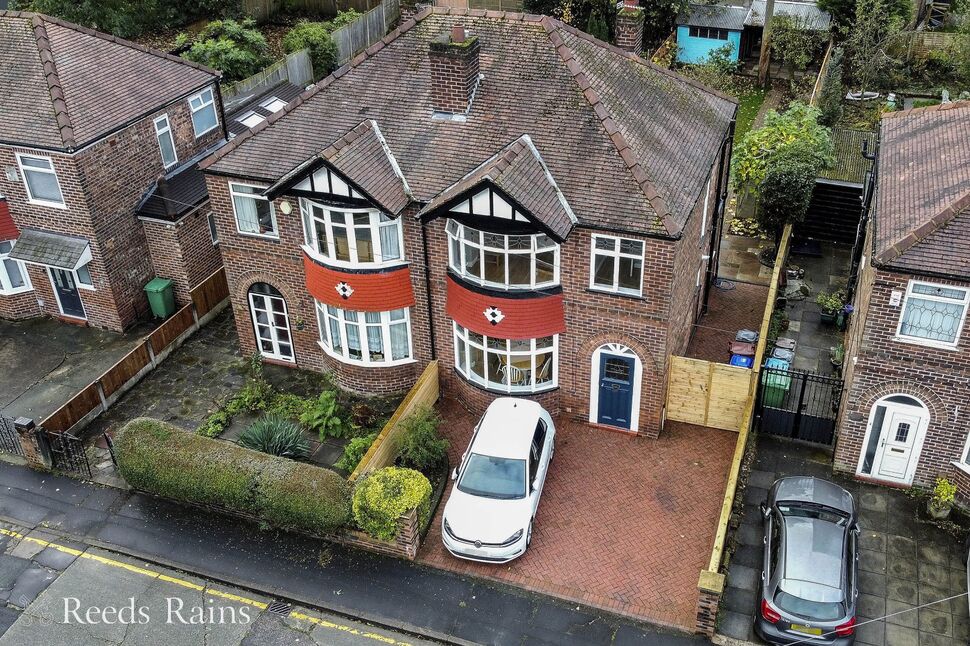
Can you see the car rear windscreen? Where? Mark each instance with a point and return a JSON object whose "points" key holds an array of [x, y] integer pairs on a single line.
{"points": [[817, 610]]}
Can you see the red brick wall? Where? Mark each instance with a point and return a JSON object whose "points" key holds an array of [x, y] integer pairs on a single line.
{"points": [[19, 306], [183, 251], [102, 184], [877, 365]]}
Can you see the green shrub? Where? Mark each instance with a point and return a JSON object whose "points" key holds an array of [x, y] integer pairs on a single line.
{"points": [[384, 495], [421, 447], [354, 452], [324, 417], [215, 424], [294, 494], [277, 436], [163, 460], [237, 49], [160, 459], [288, 405], [315, 37]]}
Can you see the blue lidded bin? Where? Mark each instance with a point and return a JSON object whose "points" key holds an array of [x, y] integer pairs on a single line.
{"points": [[742, 360]]}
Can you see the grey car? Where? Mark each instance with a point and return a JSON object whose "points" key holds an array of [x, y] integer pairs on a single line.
{"points": [[811, 557]]}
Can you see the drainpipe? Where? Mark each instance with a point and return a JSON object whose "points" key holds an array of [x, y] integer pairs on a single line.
{"points": [[713, 253], [866, 206], [427, 288]]}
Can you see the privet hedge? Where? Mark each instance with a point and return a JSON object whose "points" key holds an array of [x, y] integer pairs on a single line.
{"points": [[160, 459], [383, 496]]}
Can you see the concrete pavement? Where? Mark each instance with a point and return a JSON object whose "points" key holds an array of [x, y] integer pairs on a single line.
{"points": [[389, 592]]}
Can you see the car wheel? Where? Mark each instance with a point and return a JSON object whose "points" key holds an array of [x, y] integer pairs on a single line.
{"points": [[528, 536]]}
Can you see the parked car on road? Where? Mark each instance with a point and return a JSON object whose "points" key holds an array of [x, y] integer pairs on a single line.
{"points": [[493, 503], [811, 559]]}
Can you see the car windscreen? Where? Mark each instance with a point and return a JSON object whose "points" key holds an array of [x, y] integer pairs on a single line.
{"points": [[492, 477], [809, 510], [817, 610]]}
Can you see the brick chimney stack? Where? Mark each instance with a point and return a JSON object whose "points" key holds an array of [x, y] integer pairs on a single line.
{"points": [[454, 71], [629, 26]]}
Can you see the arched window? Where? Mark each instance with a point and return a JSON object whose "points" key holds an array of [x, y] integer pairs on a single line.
{"points": [[270, 322]]}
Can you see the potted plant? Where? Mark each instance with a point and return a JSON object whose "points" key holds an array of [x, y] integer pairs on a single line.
{"points": [[831, 305], [941, 502], [836, 355], [843, 317]]}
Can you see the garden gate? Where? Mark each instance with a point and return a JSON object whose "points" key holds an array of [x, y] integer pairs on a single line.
{"points": [[66, 452], [9, 438], [799, 405]]}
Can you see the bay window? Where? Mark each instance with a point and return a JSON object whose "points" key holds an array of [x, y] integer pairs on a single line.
{"points": [[504, 261], [13, 273], [351, 236], [255, 214], [616, 265], [371, 338], [933, 314], [516, 365]]}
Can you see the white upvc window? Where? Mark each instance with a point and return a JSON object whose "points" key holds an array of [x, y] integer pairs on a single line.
{"points": [[40, 180], [13, 273], [255, 214], [616, 265], [82, 276], [351, 237], [203, 108], [512, 366], [166, 142], [213, 232], [365, 338], [503, 261], [965, 456], [933, 314]]}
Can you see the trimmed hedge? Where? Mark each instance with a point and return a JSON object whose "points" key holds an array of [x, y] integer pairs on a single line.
{"points": [[160, 459], [384, 495]]}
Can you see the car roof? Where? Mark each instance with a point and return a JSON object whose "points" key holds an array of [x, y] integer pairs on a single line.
{"points": [[813, 558], [814, 490], [507, 428]]}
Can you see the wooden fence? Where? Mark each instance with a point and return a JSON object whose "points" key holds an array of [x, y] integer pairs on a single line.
{"points": [[921, 43], [263, 10], [357, 36], [295, 68], [823, 70], [208, 299], [707, 393], [382, 452]]}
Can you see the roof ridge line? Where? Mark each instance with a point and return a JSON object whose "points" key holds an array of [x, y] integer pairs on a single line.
{"points": [[65, 128], [925, 230], [323, 83], [550, 178], [391, 158], [939, 107], [622, 146]]}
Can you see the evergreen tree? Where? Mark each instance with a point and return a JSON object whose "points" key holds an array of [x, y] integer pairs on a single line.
{"points": [[833, 89]]}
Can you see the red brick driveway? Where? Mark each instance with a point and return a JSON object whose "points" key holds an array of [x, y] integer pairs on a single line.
{"points": [[625, 523]]}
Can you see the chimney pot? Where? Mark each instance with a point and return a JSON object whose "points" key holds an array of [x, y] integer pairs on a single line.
{"points": [[457, 34]]}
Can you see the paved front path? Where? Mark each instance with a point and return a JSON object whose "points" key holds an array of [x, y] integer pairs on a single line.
{"points": [[71, 594], [381, 590], [903, 562], [625, 523]]}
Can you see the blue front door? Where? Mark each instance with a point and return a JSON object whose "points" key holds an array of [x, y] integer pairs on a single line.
{"points": [[616, 390]]}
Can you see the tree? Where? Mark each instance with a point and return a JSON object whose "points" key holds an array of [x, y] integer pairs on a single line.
{"points": [[795, 45], [315, 38], [597, 26], [875, 30], [785, 192], [833, 89], [237, 49], [796, 127], [842, 12], [659, 20], [764, 59]]}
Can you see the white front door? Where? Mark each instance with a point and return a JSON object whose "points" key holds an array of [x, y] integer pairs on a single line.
{"points": [[272, 326], [898, 445]]}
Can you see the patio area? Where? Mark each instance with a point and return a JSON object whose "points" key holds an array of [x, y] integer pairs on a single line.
{"points": [[732, 307], [625, 523]]}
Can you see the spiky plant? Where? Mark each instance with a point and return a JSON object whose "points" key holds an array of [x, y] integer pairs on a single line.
{"points": [[277, 436]]}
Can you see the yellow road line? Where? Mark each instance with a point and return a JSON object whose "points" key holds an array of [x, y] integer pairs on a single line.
{"points": [[195, 586]]}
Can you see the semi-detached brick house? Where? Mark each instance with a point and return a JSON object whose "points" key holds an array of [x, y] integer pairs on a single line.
{"points": [[89, 123], [905, 412], [503, 193]]}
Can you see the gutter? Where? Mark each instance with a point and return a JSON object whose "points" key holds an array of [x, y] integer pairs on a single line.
{"points": [[427, 289]]}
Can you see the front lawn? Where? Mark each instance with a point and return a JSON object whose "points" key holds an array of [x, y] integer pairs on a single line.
{"points": [[750, 104]]}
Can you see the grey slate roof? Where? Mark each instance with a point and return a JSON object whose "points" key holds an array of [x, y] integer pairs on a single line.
{"points": [[807, 13], [64, 85], [629, 144], [714, 15], [182, 192], [922, 204], [362, 155], [285, 91], [850, 166], [518, 170], [51, 249]]}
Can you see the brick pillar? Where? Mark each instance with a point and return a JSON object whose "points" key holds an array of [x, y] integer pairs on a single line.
{"points": [[710, 587], [35, 457], [409, 534], [629, 27], [454, 71]]}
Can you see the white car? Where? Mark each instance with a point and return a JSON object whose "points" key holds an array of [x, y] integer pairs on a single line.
{"points": [[499, 481]]}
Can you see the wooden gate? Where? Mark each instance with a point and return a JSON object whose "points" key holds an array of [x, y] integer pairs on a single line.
{"points": [[707, 393]]}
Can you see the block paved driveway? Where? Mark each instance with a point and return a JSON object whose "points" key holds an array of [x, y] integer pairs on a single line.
{"points": [[625, 523], [903, 562]]}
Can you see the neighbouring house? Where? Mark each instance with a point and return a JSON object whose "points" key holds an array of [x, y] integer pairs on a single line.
{"points": [[99, 142], [903, 418], [704, 28], [529, 206]]}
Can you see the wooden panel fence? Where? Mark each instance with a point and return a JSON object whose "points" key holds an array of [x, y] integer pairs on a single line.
{"points": [[263, 10], [707, 393], [209, 296], [357, 36], [295, 68], [382, 452]]}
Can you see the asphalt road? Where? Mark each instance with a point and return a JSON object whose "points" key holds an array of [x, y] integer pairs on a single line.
{"points": [[381, 590]]}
